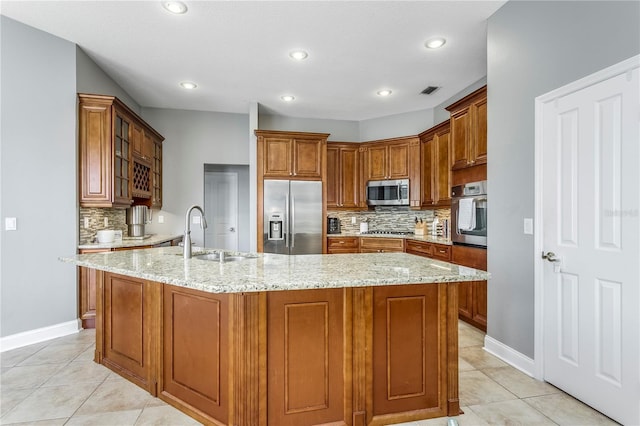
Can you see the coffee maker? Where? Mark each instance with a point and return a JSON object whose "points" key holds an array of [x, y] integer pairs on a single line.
{"points": [[333, 225], [137, 217]]}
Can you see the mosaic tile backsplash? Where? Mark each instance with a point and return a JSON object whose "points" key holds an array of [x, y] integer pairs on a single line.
{"points": [[389, 218], [117, 220]]}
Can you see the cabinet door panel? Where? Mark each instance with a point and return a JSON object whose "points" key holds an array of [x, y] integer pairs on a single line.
{"points": [[95, 156], [465, 300], [333, 176], [428, 170], [305, 357], [277, 157], [398, 161], [377, 162], [480, 302], [460, 139], [307, 158], [196, 362], [349, 188], [480, 131], [404, 319]]}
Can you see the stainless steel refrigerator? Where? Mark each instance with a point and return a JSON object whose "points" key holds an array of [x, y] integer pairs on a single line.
{"points": [[292, 217]]}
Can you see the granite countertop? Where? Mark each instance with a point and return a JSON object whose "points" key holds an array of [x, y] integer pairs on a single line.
{"points": [[424, 238], [129, 243], [272, 272]]}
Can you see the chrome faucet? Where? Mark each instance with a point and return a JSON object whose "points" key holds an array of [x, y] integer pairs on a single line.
{"points": [[187, 230]]}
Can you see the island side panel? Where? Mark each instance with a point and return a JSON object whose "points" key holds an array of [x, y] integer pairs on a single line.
{"points": [[195, 356], [409, 354], [128, 330], [308, 381], [453, 401]]}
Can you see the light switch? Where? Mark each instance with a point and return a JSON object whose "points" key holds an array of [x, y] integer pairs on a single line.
{"points": [[10, 223], [106, 222], [353, 220], [528, 226]]}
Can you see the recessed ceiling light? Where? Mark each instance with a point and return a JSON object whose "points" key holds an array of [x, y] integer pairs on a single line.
{"points": [[176, 7], [385, 92], [287, 98], [298, 55], [435, 43], [188, 85]]}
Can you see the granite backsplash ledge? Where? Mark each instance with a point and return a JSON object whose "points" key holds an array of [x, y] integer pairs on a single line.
{"points": [[387, 218]]}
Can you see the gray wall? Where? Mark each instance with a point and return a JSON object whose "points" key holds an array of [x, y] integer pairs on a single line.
{"points": [[193, 139], [340, 130], [393, 126], [90, 78], [37, 178], [533, 48]]}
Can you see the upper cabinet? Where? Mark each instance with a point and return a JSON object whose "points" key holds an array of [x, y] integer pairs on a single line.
{"points": [[343, 175], [291, 155], [469, 130], [436, 166], [115, 167], [389, 159]]}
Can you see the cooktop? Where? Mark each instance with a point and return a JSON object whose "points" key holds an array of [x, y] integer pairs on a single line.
{"points": [[390, 232]]}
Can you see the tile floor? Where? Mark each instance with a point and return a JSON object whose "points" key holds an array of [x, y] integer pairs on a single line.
{"points": [[57, 383]]}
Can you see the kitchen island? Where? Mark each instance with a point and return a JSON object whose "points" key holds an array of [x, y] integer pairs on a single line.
{"points": [[361, 339]]}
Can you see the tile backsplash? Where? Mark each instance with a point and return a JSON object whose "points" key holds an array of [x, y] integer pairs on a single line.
{"points": [[117, 220], [388, 218]]}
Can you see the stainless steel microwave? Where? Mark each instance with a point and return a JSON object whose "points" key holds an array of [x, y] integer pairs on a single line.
{"points": [[388, 192]]}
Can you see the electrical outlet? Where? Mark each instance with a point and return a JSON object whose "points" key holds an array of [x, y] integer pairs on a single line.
{"points": [[106, 221], [160, 219], [86, 223], [353, 220]]}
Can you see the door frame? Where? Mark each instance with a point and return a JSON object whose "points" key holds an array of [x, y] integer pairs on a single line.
{"points": [[538, 245]]}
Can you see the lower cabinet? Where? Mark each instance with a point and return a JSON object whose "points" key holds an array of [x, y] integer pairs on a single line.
{"points": [[87, 292], [381, 245], [472, 295], [431, 250], [195, 356], [127, 340], [336, 245], [356, 356]]}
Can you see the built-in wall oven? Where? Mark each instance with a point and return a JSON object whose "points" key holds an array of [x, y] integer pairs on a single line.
{"points": [[469, 214]]}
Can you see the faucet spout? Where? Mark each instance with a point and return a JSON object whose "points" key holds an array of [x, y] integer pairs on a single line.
{"points": [[186, 241]]}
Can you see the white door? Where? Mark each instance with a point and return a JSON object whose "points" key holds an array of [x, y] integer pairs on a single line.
{"points": [[221, 208], [591, 233]]}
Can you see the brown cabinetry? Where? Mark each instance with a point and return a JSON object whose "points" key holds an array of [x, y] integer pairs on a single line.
{"points": [[472, 295], [129, 328], [431, 250], [291, 155], [115, 150], [343, 180], [389, 159], [469, 130], [336, 245], [436, 166], [381, 245]]}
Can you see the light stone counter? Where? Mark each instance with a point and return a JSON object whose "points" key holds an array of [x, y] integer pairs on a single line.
{"points": [[424, 238], [272, 272], [129, 243]]}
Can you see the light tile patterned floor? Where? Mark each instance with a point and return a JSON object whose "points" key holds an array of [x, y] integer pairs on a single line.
{"points": [[57, 383]]}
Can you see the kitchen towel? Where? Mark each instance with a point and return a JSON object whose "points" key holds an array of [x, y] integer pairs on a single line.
{"points": [[467, 214]]}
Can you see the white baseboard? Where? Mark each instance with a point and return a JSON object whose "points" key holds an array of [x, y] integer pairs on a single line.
{"points": [[30, 337], [510, 356]]}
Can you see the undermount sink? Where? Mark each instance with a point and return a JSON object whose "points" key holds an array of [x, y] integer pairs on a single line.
{"points": [[216, 257]]}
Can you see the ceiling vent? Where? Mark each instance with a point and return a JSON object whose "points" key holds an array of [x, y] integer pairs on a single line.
{"points": [[429, 90]]}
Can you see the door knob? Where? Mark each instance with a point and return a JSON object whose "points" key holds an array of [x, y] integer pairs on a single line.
{"points": [[232, 229], [550, 256]]}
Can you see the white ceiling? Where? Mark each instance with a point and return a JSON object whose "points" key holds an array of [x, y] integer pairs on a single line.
{"points": [[237, 51]]}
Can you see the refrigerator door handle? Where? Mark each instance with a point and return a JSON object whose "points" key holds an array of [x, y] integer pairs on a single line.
{"points": [[293, 221], [286, 221]]}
